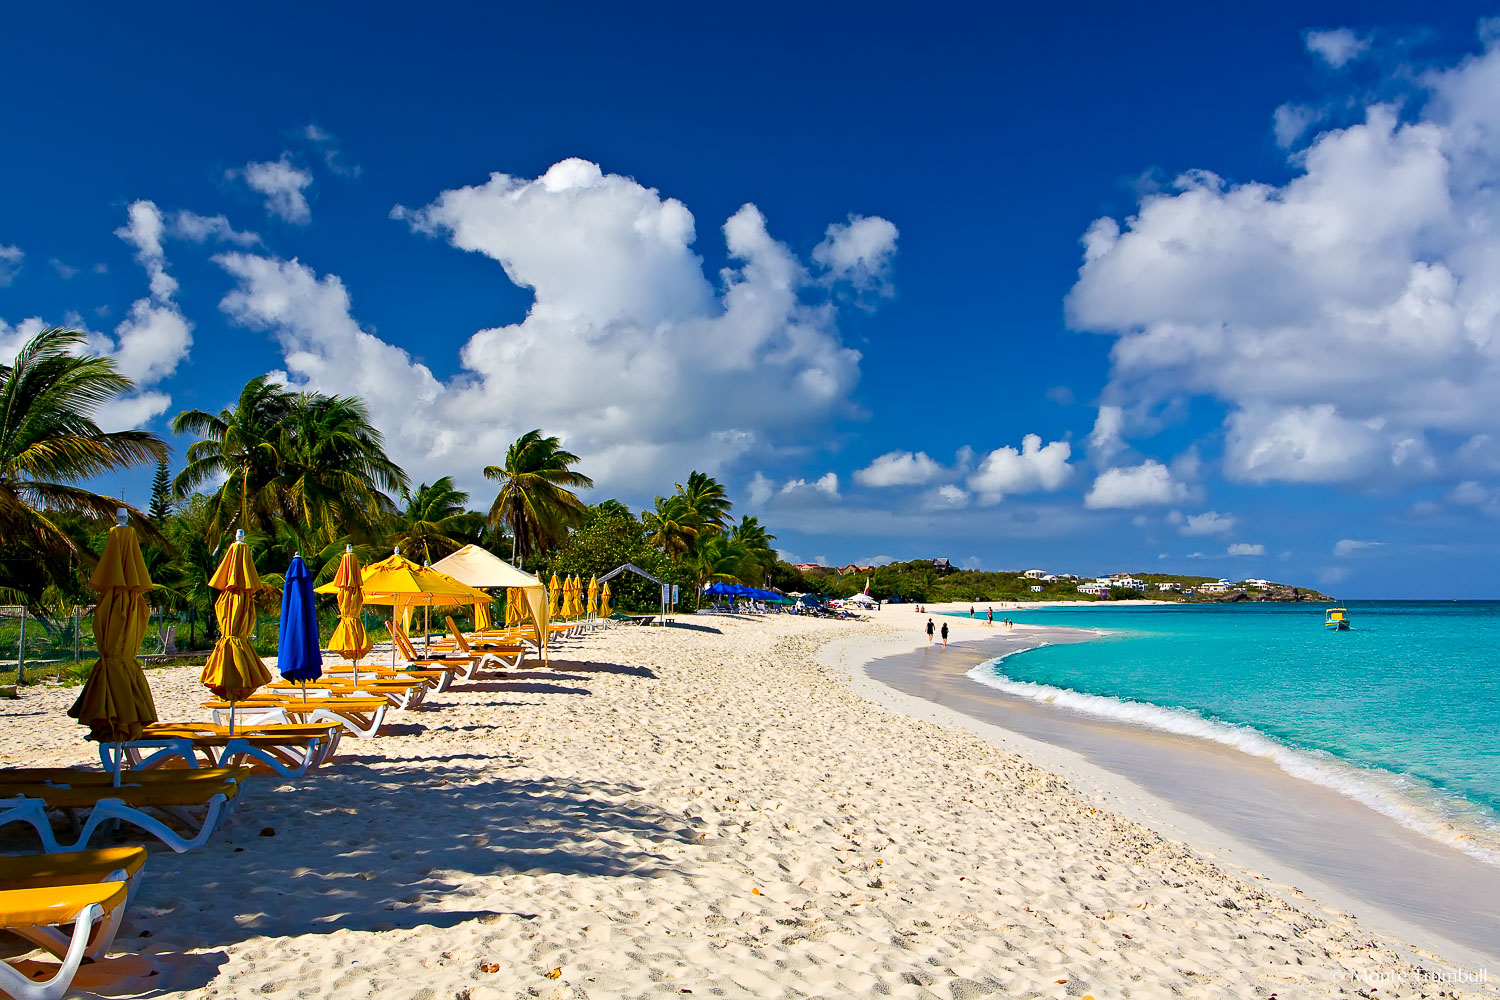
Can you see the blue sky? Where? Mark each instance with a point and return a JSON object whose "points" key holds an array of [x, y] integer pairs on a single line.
{"points": [[835, 255]]}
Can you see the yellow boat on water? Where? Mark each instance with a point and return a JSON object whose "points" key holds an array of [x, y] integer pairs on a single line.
{"points": [[1337, 619]]}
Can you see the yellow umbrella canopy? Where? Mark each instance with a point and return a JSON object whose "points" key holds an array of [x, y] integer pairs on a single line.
{"points": [[554, 591], [593, 596], [349, 639], [604, 609], [115, 702], [234, 671]]}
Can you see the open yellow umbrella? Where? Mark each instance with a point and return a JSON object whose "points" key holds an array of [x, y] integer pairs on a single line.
{"points": [[555, 595], [234, 671], [115, 702], [403, 584], [604, 610], [593, 608], [349, 639]]}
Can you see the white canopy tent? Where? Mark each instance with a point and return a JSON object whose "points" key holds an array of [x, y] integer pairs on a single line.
{"points": [[483, 569]]}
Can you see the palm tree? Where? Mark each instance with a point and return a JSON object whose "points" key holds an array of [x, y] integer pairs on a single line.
{"points": [[302, 467], [434, 520], [672, 526], [49, 440], [243, 446], [717, 558], [334, 469], [707, 497], [753, 537], [534, 501]]}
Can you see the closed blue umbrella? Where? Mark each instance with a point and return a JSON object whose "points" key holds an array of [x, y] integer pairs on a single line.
{"points": [[298, 653]]}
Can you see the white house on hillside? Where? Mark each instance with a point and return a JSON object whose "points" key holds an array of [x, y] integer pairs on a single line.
{"points": [[1168, 585], [1259, 584], [1034, 574], [1097, 589]]}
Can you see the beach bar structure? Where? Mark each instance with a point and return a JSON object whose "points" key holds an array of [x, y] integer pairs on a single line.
{"points": [[667, 595]]}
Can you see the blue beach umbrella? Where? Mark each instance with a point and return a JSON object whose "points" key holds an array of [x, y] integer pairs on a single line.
{"points": [[298, 652]]}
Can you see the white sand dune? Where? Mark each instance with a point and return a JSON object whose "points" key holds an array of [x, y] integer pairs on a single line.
{"points": [[704, 810]]}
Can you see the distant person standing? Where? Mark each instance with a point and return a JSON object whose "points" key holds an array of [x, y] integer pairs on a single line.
{"points": [[929, 630], [971, 611], [945, 635], [991, 613]]}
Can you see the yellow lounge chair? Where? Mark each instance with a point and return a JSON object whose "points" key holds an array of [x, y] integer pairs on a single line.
{"points": [[197, 799], [287, 750], [403, 692], [40, 871], [24, 911], [464, 667], [486, 651], [361, 716]]}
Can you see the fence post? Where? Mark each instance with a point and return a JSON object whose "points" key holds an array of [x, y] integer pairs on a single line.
{"points": [[21, 649]]}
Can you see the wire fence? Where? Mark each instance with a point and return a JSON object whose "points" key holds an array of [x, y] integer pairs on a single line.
{"points": [[59, 646]]}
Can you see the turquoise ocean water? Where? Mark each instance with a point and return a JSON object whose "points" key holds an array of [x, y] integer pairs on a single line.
{"points": [[1402, 713]]}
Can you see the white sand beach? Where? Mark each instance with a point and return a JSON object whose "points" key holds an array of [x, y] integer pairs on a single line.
{"points": [[712, 809]]}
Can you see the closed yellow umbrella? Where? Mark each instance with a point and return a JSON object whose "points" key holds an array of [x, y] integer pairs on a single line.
{"points": [[575, 602], [512, 613], [555, 594], [604, 610], [482, 616], [593, 596], [234, 671], [349, 639], [115, 702]]}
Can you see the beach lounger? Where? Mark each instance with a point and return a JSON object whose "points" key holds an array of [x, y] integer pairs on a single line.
{"points": [[197, 799], [402, 692], [46, 908], [287, 750], [41, 871], [464, 667], [438, 677], [361, 716], [507, 655]]}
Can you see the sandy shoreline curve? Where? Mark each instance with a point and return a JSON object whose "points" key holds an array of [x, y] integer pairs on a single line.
{"points": [[709, 809], [1221, 800]]}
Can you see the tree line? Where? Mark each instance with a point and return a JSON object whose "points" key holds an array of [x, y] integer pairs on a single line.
{"points": [[307, 472]]}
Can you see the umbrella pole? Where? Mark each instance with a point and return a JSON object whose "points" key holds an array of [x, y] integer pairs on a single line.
{"points": [[426, 630], [231, 716], [119, 761]]}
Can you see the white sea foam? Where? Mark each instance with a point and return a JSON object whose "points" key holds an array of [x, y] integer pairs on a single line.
{"points": [[1413, 804]]}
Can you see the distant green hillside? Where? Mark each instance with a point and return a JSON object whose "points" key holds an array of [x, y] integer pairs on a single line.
{"points": [[926, 581]]}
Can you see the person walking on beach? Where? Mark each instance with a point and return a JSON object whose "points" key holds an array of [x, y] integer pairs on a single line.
{"points": [[945, 635], [991, 613], [971, 611], [929, 630]]}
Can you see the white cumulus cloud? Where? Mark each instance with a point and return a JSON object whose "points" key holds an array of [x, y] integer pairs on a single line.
{"points": [[1348, 546], [1210, 522], [1246, 549], [10, 263], [282, 183], [628, 352], [1134, 486], [197, 228], [1034, 468], [1337, 47], [826, 485], [899, 468], [859, 252], [1346, 319]]}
